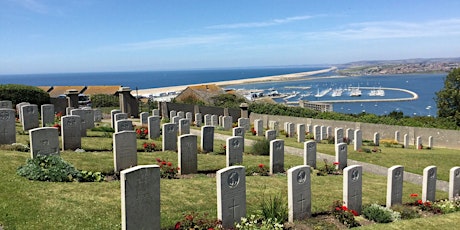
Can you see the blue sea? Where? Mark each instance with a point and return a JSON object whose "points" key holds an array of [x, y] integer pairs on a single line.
{"points": [[425, 85]]}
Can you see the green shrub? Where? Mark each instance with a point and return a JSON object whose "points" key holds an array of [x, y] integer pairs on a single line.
{"points": [[254, 222], [104, 100], [261, 147], [16, 147], [407, 212], [88, 176], [447, 206], [49, 168], [197, 221], [24, 93], [380, 214], [260, 170], [274, 208], [344, 215]]}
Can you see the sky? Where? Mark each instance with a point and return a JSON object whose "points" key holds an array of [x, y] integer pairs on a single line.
{"points": [[56, 36]]}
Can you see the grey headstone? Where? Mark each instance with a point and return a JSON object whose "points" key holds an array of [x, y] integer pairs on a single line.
{"points": [[82, 115], [309, 151], [270, 135], [338, 135], [350, 135], [181, 114], [353, 187], [140, 197], [418, 142], [397, 136], [124, 150], [29, 117], [89, 113], [323, 132], [429, 184], [71, 132], [430, 142], [68, 109], [231, 195], [169, 139], [227, 122], [172, 114], [112, 116], [6, 105], [120, 116], [154, 124], [406, 141], [7, 126], [47, 115], [234, 150], [299, 193], [317, 133], [300, 133], [274, 125], [454, 183], [207, 138], [184, 126], [291, 129], [220, 120], [144, 118], [189, 116], [44, 141], [97, 115], [376, 139], [156, 112], [328, 131], [245, 123], [214, 120], [207, 120], [285, 126], [309, 129], [124, 125], [341, 152], [259, 127], [276, 156], [198, 120], [395, 181], [187, 154], [358, 140], [238, 131], [19, 110], [175, 120]]}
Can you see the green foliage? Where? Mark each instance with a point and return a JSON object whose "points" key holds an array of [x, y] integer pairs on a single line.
{"points": [[227, 101], [49, 168], [344, 215], [104, 100], [24, 93], [260, 147], [196, 221], [407, 212], [259, 223], [103, 128], [16, 147], [380, 214], [328, 169], [448, 98], [260, 170], [167, 170], [274, 208], [191, 99], [88, 176], [448, 206]]}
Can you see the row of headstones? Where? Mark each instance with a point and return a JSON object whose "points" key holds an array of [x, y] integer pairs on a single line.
{"points": [[140, 211]]}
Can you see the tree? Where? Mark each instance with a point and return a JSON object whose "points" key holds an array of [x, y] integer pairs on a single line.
{"points": [[448, 98], [24, 93]]}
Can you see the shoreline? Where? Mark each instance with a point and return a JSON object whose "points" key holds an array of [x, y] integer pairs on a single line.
{"points": [[275, 78]]}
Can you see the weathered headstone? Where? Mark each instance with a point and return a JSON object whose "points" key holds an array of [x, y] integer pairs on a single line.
{"points": [[187, 152], [309, 153], [172, 114], [112, 116], [353, 187], [71, 132], [406, 141], [317, 133], [245, 123], [338, 135], [350, 135], [29, 117], [454, 183], [231, 195], [429, 184], [124, 150], [276, 156], [234, 150], [418, 142], [207, 120], [140, 197], [44, 141], [274, 125], [259, 127], [270, 135], [238, 132], [89, 113], [7, 126], [299, 193], [19, 110], [358, 142], [397, 136], [227, 122], [220, 120], [189, 116], [144, 118], [198, 120], [6, 104], [156, 112], [285, 127], [154, 124], [175, 120], [341, 152], [214, 120], [97, 115], [309, 129], [207, 138], [82, 115], [68, 109], [124, 125], [300, 133], [47, 115], [376, 139], [430, 142], [169, 139], [395, 179], [184, 126], [291, 129], [181, 114], [323, 132], [328, 132], [119, 116]]}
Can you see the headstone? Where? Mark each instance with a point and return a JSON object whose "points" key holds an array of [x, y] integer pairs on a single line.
{"points": [[309, 129], [259, 127], [220, 120], [328, 131], [44, 141], [323, 132], [406, 141], [140, 197], [274, 125], [198, 120], [184, 126], [169, 139], [207, 138], [207, 120], [358, 142], [300, 133], [350, 135], [418, 142], [7, 126], [285, 127], [144, 118], [181, 114], [397, 136], [227, 122], [270, 135], [276, 156], [341, 155], [187, 153], [429, 184], [89, 113], [47, 115], [238, 132], [68, 109], [19, 110], [124, 150], [317, 133], [245, 123], [309, 153], [338, 135], [376, 139], [119, 116], [454, 183], [291, 129], [299, 193], [154, 124], [124, 125], [172, 114], [112, 116], [6, 104], [231, 195], [71, 132], [29, 117], [82, 115], [155, 112], [214, 120], [395, 181], [430, 142], [97, 115], [353, 187], [175, 120], [234, 150], [189, 116]]}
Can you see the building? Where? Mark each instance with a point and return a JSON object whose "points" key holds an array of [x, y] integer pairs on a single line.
{"points": [[318, 106]]}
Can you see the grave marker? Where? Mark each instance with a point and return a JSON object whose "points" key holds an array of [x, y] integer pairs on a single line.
{"points": [[187, 154], [231, 195], [207, 138], [406, 141], [397, 136], [29, 117], [395, 179], [184, 126], [169, 139], [299, 193], [7, 126], [338, 135], [317, 133], [300, 133], [358, 142], [156, 112], [259, 127], [429, 184], [353, 187], [47, 115], [309, 151], [124, 150], [112, 116], [207, 120], [454, 183], [124, 125], [214, 120], [154, 123], [376, 139], [71, 132], [276, 156], [245, 123], [270, 135], [144, 118], [198, 120], [234, 150], [6, 104], [44, 141], [341, 152], [227, 122]]}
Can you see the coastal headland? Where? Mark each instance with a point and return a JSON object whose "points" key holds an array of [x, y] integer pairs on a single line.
{"points": [[276, 78]]}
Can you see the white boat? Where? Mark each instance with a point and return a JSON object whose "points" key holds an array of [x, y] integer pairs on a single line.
{"points": [[355, 92], [337, 92], [322, 93]]}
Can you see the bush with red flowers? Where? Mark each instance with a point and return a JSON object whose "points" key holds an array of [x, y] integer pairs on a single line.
{"points": [[150, 147], [142, 133], [167, 170], [344, 215], [195, 221]]}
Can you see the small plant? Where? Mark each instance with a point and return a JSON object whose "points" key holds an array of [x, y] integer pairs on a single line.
{"points": [[254, 222], [448, 206], [167, 170], [274, 208], [261, 147], [49, 168], [344, 215], [88, 176], [195, 221], [222, 149], [149, 147], [380, 214], [375, 150], [16, 147], [406, 212], [253, 131], [328, 169], [142, 133], [424, 206], [260, 170]]}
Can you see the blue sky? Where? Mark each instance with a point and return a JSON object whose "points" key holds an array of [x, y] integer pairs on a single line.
{"points": [[44, 36]]}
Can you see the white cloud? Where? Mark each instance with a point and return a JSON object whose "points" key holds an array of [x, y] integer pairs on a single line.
{"points": [[273, 22]]}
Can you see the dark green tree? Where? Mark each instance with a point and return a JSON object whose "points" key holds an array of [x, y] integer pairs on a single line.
{"points": [[24, 93], [448, 98]]}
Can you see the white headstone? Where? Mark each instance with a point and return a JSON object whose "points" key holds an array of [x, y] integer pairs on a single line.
{"points": [[124, 125], [341, 152], [44, 141], [227, 122], [234, 150], [276, 156], [187, 154], [245, 123], [299, 193], [317, 133], [7, 126], [198, 120], [454, 183], [270, 135], [338, 135], [214, 120], [156, 112], [207, 119], [112, 116], [397, 136], [144, 118], [184, 126], [353, 187], [406, 141], [169, 139], [430, 142], [47, 115], [309, 151], [429, 184], [376, 139], [300, 133], [259, 127], [154, 124], [395, 179], [418, 142], [6, 105], [124, 150], [71, 132], [29, 117], [358, 142], [231, 195]]}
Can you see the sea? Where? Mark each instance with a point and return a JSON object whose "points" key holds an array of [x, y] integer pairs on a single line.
{"points": [[424, 85]]}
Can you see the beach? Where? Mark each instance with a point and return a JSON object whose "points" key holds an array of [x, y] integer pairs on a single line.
{"points": [[276, 78]]}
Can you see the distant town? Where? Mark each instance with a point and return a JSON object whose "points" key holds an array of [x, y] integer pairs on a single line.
{"points": [[433, 65]]}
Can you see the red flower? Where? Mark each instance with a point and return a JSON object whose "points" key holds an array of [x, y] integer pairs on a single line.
{"points": [[177, 225], [419, 201], [414, 195], [336, 163], [169, 164], [145, 145], [138, 131], [427, 203], [210, 228], [337, 209], [146, 131], [344, 208], [153, 145], [355, 213], [261, 165]]}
